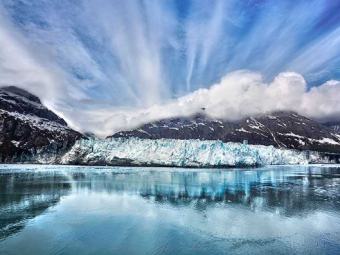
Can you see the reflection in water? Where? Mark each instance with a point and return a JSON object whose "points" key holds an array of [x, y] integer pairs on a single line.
{"points": [[292, 190], [170, 211], [25, 195]]}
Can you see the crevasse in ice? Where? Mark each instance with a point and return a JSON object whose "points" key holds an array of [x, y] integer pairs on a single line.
{"points": [[181, 153]]}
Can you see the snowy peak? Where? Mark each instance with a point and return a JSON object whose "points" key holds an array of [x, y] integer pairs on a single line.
{"points": [[280, 129], [13, 99], [27, 125], [21, 92]]}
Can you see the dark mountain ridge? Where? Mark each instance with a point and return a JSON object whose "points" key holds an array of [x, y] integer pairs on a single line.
{"points": [[334, 125], [28, 127], [13, 99], [280, 129]]}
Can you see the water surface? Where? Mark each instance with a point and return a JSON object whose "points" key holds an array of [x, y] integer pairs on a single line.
{"points": [[115, 210]]}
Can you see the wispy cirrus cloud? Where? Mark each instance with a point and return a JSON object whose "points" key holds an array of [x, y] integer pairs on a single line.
{"points": [[90, 60]]}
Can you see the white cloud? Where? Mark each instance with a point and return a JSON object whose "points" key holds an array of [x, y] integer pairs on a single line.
{"points": [[112, 65], [322, 102], [238, 95], [21, 62], [27, 64]]}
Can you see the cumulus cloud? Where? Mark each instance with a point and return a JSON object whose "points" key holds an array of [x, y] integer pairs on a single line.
{"points": [[322, 102], [239, 95]]}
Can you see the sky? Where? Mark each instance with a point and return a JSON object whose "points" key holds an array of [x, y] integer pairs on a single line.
{"points": [[111, 65]]}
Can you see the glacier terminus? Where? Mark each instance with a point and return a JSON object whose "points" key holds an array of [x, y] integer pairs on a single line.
{"points": [[179, 153]]}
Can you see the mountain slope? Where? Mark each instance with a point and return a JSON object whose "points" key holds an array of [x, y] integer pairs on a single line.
{"points": [[27, 126], [335, 126], [13, 99], [281, 129]]}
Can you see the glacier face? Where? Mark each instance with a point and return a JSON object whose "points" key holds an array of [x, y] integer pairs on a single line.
{"points": [[182, 153]]}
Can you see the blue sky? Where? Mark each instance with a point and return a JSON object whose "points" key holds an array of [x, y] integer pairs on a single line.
{"points": [[134, 54]]}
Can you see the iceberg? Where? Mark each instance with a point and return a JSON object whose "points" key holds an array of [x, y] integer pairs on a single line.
{"points": [[183, 153]]}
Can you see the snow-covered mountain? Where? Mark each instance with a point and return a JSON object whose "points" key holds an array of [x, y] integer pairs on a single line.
{"points": [[280, 129], [29, 132], [27, 126]]}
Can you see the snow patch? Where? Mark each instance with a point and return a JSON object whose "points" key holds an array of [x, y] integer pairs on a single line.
{"points": [[16, 143], [242, 130], [292, 134], [328, 140]]}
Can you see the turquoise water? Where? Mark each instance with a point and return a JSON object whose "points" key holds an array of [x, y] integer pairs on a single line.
{"points": [[114, 210]]}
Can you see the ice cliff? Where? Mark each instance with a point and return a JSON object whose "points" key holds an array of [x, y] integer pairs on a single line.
{"points": [[183, 153]]}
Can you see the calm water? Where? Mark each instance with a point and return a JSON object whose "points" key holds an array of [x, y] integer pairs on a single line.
{"points": [[86, 210]]}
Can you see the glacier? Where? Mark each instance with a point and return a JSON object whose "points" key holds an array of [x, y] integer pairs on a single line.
{"points": [[182, 153]]}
